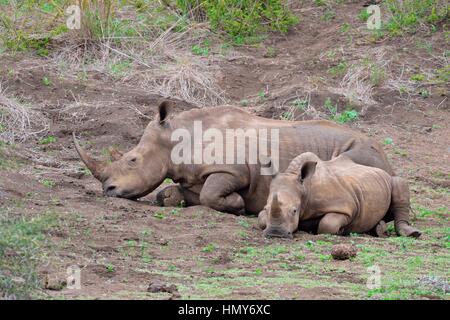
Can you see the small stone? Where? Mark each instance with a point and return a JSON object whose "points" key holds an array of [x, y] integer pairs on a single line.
{"points": [[157, 286], [343, 251], [54, 282]]}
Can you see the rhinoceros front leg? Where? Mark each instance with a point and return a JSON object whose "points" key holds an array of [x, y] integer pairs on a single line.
{"points": [[175, 195], [219, 193], [333, 223], [400, 208]]}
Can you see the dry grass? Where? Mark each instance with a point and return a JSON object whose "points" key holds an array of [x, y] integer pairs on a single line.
{"points": [[164, 65], [18, 122], [358, 83]]}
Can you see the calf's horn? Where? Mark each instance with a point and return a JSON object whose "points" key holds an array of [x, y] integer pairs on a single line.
{"points": [[275, 207], [95, 166]]}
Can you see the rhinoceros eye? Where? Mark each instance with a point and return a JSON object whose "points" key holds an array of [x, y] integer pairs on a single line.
{"points": [[132, 161], [294, 211]]}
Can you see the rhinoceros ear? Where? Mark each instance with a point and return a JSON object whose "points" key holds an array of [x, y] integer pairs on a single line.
{"points": [[163, 111], [307, 170]]}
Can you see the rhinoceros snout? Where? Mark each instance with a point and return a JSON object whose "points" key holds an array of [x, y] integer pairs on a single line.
{"points": [[277, 232]]}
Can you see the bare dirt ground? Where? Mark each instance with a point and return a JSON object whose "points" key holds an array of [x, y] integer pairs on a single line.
{"points": [[123, 247]]}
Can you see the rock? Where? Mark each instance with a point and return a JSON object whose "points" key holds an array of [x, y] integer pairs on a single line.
{"points": [[343, 251], [157, 286], [54, 282]]}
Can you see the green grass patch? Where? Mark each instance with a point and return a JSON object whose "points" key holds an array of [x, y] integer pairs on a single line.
{"points": [[243, 18], [21, 251], [406, 16]]}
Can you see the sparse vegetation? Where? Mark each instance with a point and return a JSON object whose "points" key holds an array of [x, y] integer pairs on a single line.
{"points": [[241, 19], [21, 251], [411, 15], [104, 81]]}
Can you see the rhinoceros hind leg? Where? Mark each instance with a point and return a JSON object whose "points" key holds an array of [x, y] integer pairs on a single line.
{"points": [[333, 223], [400, 208], [219, 193]]}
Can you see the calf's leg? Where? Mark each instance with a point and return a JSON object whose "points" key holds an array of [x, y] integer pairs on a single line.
{"points": [[333, 223], [380, 230], [400, 208], [262, 219], [219, 193]]}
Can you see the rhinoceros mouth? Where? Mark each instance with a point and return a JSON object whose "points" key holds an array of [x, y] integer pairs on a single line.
{"points": [[277, 232]]}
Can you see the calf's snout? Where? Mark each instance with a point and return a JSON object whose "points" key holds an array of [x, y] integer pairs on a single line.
{"points": [[277, 232]]}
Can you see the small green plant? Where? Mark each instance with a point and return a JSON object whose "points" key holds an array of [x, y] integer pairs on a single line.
{"points": [[46, 81], [345, 28], [175, 211], [330, 107], [172, 268], [209, 248], [424, 93], [418, 77], [244, 223], [244, 102], [346, 116], [338, 70], [377, 75], [120, 68], [159, 215], [301, 104], [320, 2], [110, 268], [363, 15], [48, 183], [287, 115], [443, 74], [328, 15], [200, 50], [400, 152], [47, 140], [270, 52], [388, 141], [261, 94]]}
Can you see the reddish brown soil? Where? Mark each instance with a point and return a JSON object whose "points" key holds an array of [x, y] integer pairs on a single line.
{"points": [[95, 231]]}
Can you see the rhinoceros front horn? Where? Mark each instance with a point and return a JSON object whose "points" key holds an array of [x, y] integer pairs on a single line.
{"points": [[95, 166]]}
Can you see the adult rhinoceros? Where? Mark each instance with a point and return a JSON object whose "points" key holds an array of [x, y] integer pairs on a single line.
{"points": [[234, 188]]}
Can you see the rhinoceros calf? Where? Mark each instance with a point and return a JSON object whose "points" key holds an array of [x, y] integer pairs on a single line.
{"points": [[337, 196]]}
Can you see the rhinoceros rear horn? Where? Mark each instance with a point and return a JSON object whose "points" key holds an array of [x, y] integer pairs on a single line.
{"points": [[95, 166]]}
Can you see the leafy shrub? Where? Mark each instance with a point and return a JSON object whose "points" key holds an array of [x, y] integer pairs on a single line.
{"points": [[407, 15], [240, 18]]}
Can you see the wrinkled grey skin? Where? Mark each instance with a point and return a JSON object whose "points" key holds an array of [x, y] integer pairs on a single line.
{"points": [[340, 195], [233, 188]]}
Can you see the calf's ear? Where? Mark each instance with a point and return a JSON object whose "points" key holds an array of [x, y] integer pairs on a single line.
{"points": [[307, 170], [163, 112]]}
